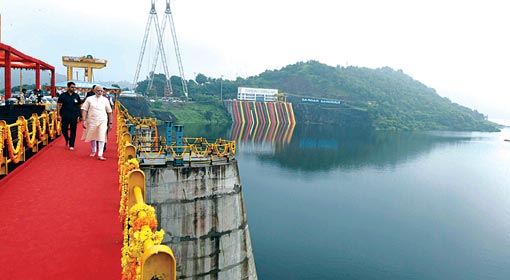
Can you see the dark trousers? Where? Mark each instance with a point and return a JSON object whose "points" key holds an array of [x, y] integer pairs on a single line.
{"points": [[69, 124]]}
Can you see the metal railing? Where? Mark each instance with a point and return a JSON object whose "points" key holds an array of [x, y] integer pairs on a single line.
{"points": [[143, 256], [153, 149]]}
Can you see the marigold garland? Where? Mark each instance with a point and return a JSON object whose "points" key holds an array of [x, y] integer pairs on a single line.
{"points": [[24, 135], [145, 221], [31, 140], [138, 227], [140, 230], [51, 127], [42, 130], [233, 147], [131, 165], [2, 140], [14, 152]]}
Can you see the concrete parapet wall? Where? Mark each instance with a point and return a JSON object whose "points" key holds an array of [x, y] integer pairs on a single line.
{"points": [[190, 183], [202, 212]]}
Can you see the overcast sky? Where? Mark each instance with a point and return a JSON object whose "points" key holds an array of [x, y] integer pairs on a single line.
{"points": [[459, 48]]}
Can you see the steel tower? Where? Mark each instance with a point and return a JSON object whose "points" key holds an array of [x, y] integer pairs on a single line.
{"points": [[161, 50], [153, 17], [168, 17]]}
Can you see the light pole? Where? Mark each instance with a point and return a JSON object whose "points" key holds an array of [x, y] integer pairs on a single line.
{"points": [[221, 88]]}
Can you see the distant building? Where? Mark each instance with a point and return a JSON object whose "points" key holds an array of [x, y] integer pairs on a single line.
{"points": [[257, 94]]}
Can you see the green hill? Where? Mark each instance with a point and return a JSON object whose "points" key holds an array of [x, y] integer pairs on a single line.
{"points": [[382, 98]]}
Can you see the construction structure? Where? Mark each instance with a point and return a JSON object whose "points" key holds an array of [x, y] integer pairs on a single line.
{"points": [[160, 50], [87, 62]]}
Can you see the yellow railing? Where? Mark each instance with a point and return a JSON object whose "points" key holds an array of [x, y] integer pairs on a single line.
{"points": [[142, 255], [153, 146], [147, 122], [43, 128]]}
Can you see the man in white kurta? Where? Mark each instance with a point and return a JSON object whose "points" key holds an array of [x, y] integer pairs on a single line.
{"points": [[96, 114]]}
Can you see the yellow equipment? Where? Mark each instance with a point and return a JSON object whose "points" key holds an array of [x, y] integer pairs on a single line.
{"points": [[87, 62]]}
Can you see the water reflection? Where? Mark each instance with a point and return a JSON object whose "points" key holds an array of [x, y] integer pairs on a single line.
{"points": [[438, 200], [271, 133], [325, 147], [407, 193], [321, 148]]}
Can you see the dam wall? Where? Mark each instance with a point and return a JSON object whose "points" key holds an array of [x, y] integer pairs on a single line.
{"points": [[201, 209], [261, 113], [261, 121]]}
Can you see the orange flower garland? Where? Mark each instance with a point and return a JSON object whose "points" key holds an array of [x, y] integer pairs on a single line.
{"points": [[140, 221], [140, 230], [2, 128], [14, 153], [31, 140]]}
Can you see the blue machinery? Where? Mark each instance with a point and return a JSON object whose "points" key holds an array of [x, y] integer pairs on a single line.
{"points": [[174, 148]]}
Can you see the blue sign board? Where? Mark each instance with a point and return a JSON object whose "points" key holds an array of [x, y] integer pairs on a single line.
{"points": [[321, 101]]}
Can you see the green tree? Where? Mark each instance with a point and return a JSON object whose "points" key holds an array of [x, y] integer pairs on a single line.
{"points": [[201, 79]]}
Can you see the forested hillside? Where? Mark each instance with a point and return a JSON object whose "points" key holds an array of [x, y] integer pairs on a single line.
{"points": [[383, 98]]}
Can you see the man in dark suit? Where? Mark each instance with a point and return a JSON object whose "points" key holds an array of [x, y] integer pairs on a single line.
{"points": [[68, 111], [91, 92]]}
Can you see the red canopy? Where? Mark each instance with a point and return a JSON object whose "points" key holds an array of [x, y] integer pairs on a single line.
{"points": [[12, 58]]}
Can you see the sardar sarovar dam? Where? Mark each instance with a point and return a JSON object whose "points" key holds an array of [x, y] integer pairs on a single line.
{"points": [[196, 191]]}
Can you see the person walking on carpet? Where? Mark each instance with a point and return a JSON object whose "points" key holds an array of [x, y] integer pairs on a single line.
{"points": [[107, 96], [96, 114], [68, 111]]}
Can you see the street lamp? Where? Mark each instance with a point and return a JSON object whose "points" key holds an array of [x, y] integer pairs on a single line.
{"points": [[221, 88]]}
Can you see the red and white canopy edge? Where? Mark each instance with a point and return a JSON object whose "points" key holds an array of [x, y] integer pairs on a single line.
{"points": [[11, 58]]}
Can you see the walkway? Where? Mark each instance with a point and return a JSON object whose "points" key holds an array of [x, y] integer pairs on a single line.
{"points": [[59, 215]]}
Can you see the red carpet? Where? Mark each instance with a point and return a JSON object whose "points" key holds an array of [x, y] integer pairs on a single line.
{"points": [[59, 215]]}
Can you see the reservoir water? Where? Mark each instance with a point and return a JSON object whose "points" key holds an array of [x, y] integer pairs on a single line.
{"points": [[329, 203]]}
